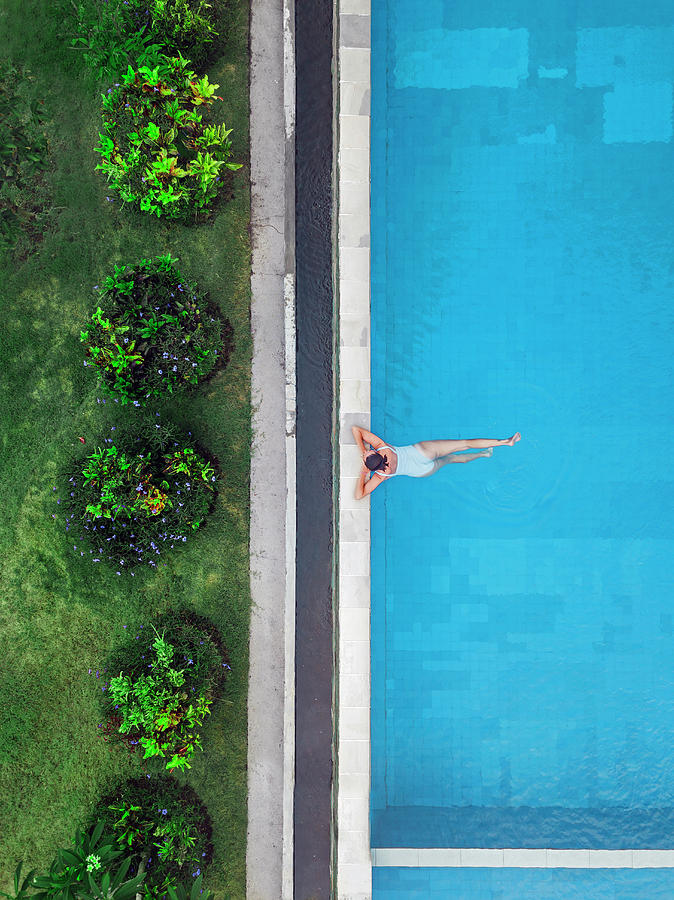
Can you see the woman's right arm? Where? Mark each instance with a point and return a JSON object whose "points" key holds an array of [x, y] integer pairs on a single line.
{"points": [[363, 436]]}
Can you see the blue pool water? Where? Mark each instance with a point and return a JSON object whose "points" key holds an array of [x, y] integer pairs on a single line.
{"points": [[523, 279], [523, 884]]}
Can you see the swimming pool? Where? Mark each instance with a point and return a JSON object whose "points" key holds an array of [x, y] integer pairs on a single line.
{"points": [[522, 279]]}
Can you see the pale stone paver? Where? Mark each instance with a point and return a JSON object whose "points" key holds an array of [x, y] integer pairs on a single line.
{"points": [[531, 858], [354, 871]]}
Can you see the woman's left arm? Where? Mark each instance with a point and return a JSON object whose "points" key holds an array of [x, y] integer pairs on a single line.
{"points": [[365, 486]]}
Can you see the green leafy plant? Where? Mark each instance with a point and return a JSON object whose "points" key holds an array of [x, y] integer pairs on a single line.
{"points": [[159, 700], [93, 868], [111, 34], [137, 495], [183, 26], [163, 822], [114, 34], [155, 148], [25, 205], [153, 332], [21, 885], [96, 867]]}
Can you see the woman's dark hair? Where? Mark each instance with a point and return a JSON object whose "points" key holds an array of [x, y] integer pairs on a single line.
{"points": [[375, 461]]}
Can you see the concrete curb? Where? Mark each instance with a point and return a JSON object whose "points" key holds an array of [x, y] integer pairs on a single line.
{"points": [[271, 698], [291, 455]]}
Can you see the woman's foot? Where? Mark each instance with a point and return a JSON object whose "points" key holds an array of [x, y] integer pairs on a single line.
{"points": [[514, 439], [488, 452]]}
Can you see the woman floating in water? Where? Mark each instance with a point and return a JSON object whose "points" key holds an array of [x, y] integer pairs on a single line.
{"points": [[418, 460]]}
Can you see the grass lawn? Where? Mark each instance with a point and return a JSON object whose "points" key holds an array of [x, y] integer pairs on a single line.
{"points": [[60, 614]]}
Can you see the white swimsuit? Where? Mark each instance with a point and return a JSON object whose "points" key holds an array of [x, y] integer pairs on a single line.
{"points": [[411, 461]]}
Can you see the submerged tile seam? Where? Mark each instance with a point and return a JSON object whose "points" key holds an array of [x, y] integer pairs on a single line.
{"points": [[352, 210], [524, 858]]}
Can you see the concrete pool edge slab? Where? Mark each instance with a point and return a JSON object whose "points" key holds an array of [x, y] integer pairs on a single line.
{"points": [[271, 699], [352, 204]]}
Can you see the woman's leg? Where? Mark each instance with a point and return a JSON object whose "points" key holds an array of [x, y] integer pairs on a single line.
{"points": [[435, 449], [458, 458]]}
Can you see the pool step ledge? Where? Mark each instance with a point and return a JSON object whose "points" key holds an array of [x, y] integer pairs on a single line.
{"points": [[446, 857]]}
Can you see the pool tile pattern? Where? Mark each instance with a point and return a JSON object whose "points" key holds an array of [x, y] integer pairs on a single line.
{"points": [[634, 96], [427, 883]]}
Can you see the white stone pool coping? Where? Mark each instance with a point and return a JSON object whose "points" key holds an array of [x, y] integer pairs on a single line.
{"points": [[352, 205], [354, 859]]}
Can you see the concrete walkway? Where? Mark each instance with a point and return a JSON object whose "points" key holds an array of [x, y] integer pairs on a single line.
{"points": [[272, 537]]}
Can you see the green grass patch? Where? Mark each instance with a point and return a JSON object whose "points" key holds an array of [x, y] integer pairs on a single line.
{"points": [[59, 614]]}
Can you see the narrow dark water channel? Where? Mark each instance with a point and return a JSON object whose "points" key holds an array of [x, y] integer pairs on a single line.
{"points": [[314, 638]]}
